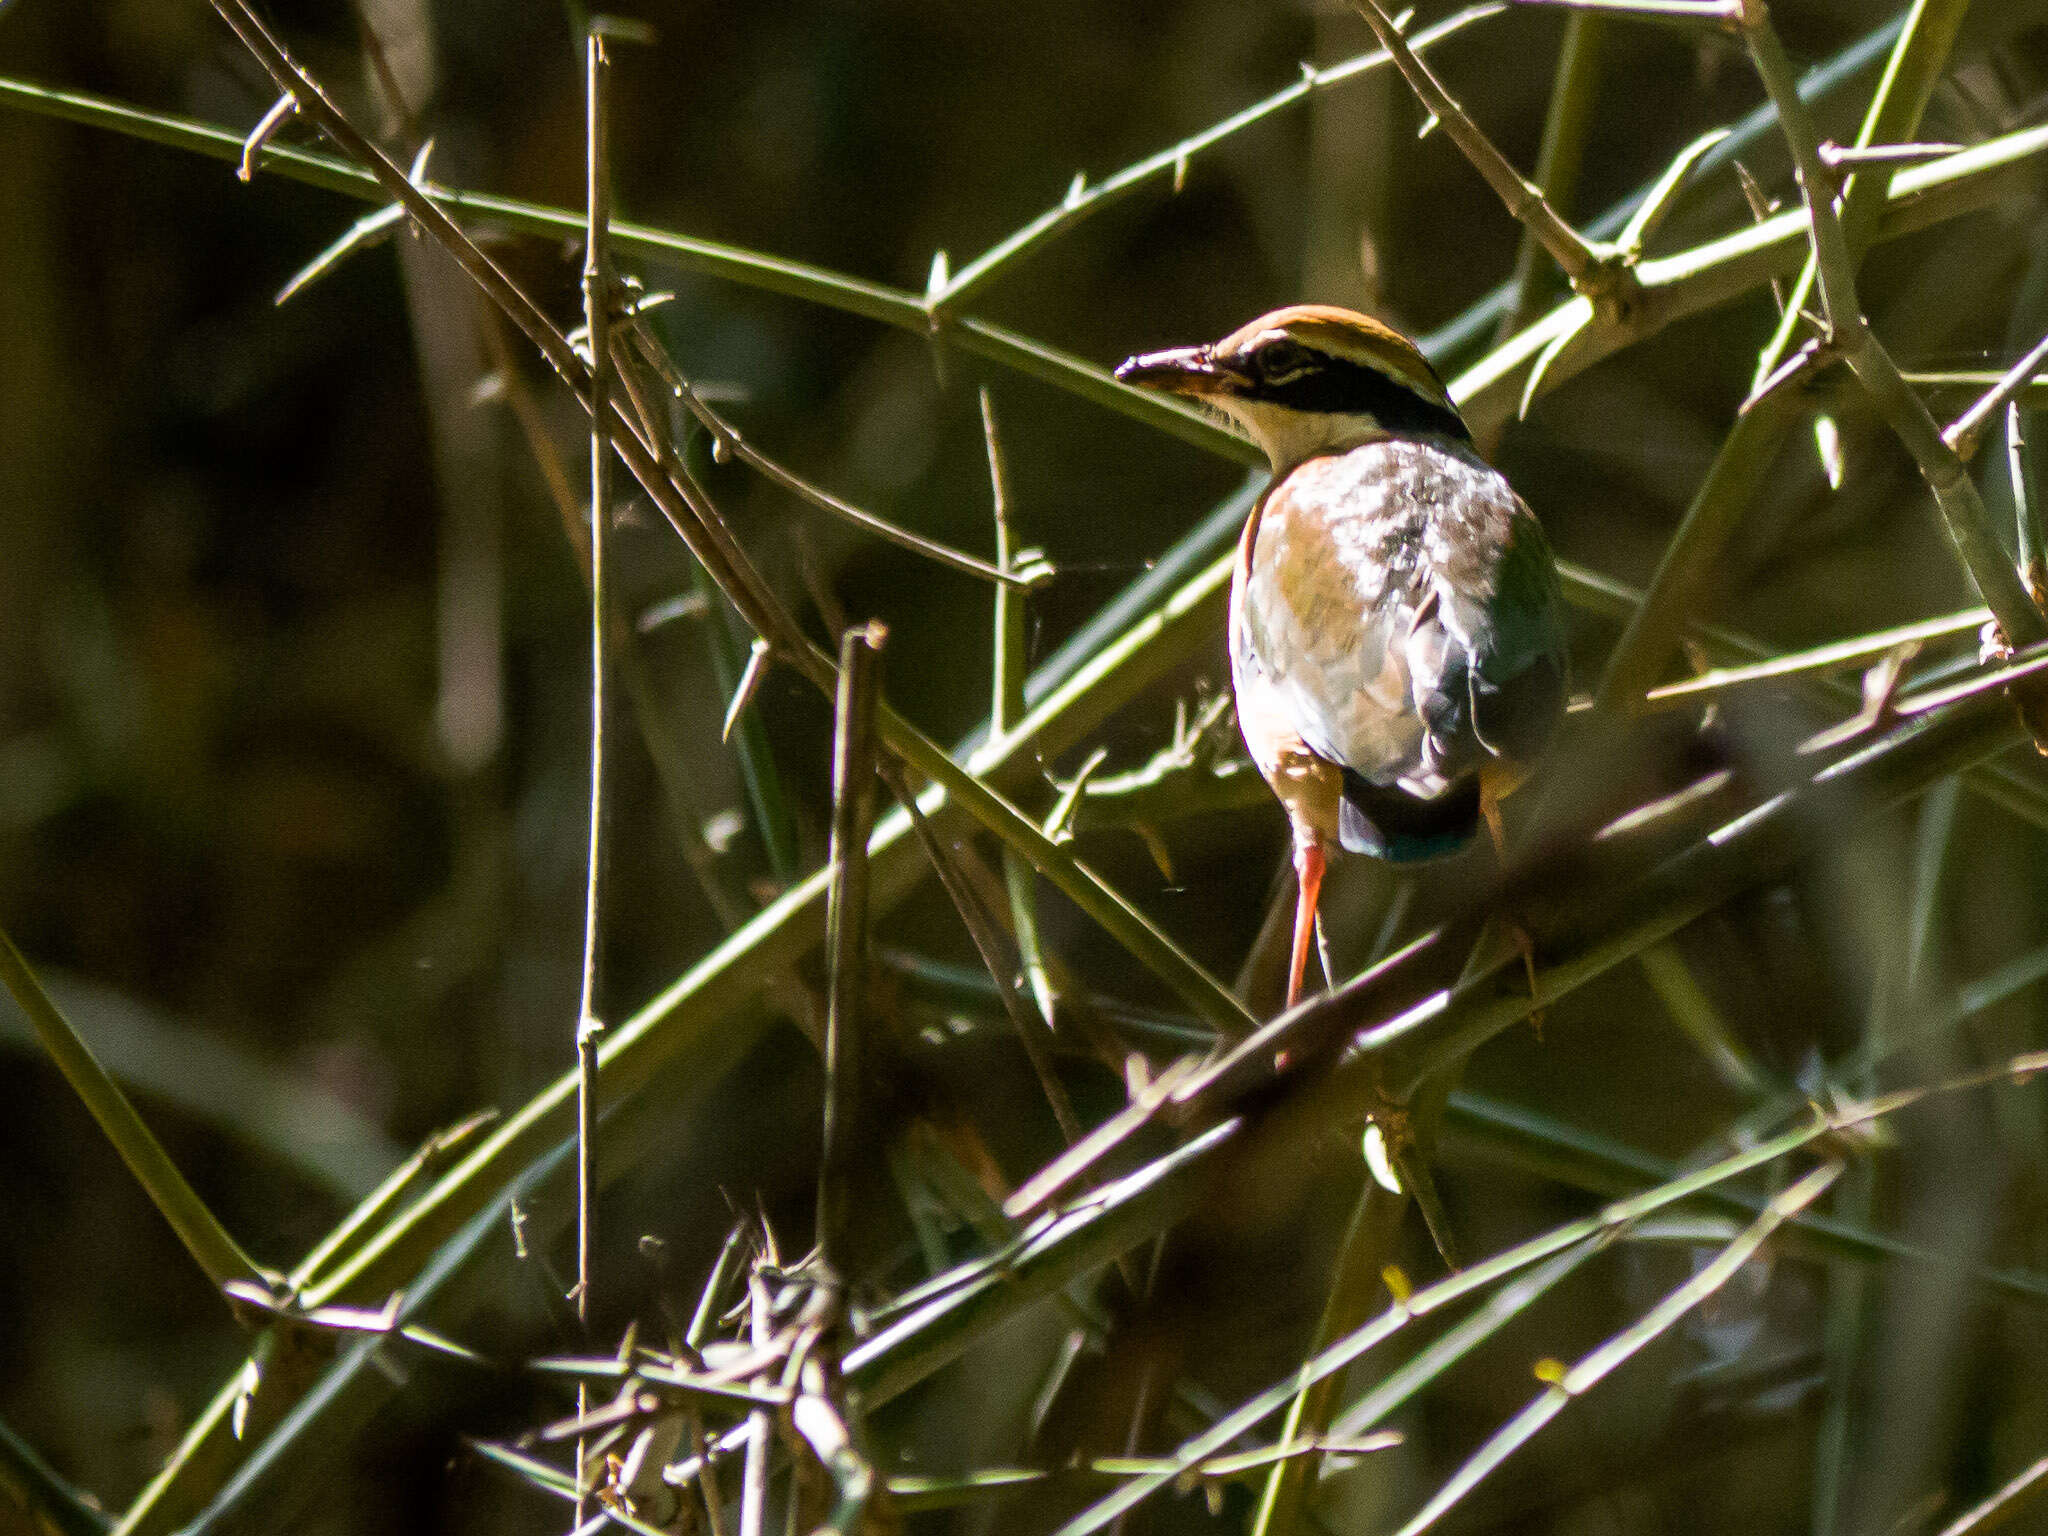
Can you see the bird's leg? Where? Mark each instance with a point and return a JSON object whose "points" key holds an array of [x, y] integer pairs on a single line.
{"points": [[1489, 806], [1308, 871]]}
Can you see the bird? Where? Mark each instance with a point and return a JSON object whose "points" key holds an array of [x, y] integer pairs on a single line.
{"points": [[1396, 629]]}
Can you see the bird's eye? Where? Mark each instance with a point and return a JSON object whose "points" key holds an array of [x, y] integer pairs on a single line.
{"points": [[1280, 361]]}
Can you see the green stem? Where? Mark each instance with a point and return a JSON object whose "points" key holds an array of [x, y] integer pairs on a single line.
{"points": [[45, 1501], [846, 934], [1559, 161], [218, 1254]]}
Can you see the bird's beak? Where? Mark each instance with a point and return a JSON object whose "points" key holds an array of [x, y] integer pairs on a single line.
{"points": [[1183, 371]]}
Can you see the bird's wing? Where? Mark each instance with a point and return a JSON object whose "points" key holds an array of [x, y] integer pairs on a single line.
{"points": [[1519, 669]]}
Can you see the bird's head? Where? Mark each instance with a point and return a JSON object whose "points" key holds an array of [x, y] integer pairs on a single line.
{"points": [[1308, 380]]}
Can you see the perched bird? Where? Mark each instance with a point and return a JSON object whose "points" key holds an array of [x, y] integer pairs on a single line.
{"points": [[1396, 630]]}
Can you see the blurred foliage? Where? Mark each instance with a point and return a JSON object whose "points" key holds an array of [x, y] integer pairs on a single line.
{"points": [[293, 758]]}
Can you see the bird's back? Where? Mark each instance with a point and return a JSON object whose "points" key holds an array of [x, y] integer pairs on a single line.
{"points": [[1399, 610]]}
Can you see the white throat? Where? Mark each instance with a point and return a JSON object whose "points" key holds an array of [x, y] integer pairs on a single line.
{"points": [[1291, 437]]}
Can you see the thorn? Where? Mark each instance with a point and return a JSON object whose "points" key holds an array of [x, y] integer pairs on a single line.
{"points": [[1156, 846], [1377, 1162], [1663, 197], [1881, 684], [1415, 1174], [1430, 124], [1059, 825], [1077, 189], [252, 1378], [1827, 441], [1180, 172], [687, 605], [638, 301], [361, 235], [1809, 356], [940, 279], [282, 108], [623, 29], [750, 681], [1761, 207], [1544, 359], [1835, 156]]}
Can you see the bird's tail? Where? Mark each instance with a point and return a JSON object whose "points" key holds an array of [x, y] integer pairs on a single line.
{"points": [[1389, 823]]}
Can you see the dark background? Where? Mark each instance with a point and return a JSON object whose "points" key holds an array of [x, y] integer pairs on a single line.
{"points": [[293, 655]]}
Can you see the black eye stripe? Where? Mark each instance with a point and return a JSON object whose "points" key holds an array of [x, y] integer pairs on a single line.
{"points": [[1340, 387]]}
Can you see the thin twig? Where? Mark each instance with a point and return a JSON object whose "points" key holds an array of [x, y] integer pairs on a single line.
{"points": [[1008, 666], [1032, 1031], [2010, 1500], [597, 308], [1559, 160], [1974, 381], [1836, 156], [1006, 703], [1966, 433], [1597, 274], [760, 1426], [218, 1254], [1692, 13], [1780, 669], [726, 438], [2031, 536], [846, 930]]}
